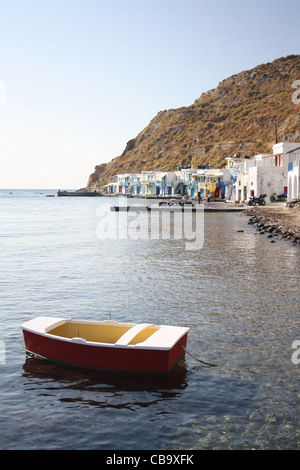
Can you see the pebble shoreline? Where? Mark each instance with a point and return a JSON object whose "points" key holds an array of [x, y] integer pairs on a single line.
{"points": [[273, 222]]}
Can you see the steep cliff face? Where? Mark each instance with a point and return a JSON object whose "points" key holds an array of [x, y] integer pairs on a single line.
{"points": [[240, 116]]}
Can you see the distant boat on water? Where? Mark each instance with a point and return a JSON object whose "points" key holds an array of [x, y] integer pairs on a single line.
{"points": [[79, 193]]}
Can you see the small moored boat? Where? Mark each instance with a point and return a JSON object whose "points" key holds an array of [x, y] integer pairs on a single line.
{"points": [[106, 345]]}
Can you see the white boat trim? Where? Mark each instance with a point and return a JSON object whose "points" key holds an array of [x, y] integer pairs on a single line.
{"points": [[162, 339]]}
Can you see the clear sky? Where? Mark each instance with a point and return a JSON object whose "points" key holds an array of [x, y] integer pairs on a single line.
{"points": [[79, 78]]}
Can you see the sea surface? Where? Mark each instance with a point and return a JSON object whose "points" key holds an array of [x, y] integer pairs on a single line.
{"points": [[238, 294]]}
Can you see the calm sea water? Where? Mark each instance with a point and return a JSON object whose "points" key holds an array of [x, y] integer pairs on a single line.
{"points": [[239, 295]]}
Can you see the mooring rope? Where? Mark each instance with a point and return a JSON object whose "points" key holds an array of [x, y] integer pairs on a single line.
{"points": [[207, 364]]}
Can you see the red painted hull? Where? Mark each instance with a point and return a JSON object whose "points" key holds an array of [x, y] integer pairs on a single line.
{"points": [[122, 359]]}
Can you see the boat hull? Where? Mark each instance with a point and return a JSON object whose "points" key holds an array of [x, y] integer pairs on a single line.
{"points": [[105, 357]]}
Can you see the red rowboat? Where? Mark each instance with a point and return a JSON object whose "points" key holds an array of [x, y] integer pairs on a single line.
{"points": [[106, 345]]}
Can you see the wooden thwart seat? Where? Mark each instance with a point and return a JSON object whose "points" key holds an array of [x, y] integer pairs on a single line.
{"points": [[131, 333]]}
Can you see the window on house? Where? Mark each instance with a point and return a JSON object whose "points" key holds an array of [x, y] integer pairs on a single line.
{"points": [[278, 160]]}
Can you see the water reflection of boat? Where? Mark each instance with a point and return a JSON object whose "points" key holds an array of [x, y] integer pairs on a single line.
{"points": [[106, 345], [40, 370]]}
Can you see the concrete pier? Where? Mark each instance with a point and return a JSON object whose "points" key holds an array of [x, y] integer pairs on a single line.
{"points": [[210, 207]]}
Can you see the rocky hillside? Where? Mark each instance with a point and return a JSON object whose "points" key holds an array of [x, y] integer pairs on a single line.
{"points": [[238, 117]]}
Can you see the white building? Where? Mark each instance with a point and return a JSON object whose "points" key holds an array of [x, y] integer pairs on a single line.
{"points": [[293, 173], [238, 168], [265, 177], [264, 173], [164, 183], [280, 151]]}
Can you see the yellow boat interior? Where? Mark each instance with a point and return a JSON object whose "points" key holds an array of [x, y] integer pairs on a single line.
{"points": [[105, 332]]}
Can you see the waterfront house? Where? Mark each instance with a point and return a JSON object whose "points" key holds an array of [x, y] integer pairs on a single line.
{"points": [[158, 183], [113, 186], [148, 183], [293, 190], [280, 151], [203, 180], [238, 168], [262, 174], [136, 183], [265, 177], [145, 183], [165, 182], [217, 181], [186, 180], [119, 183]]}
